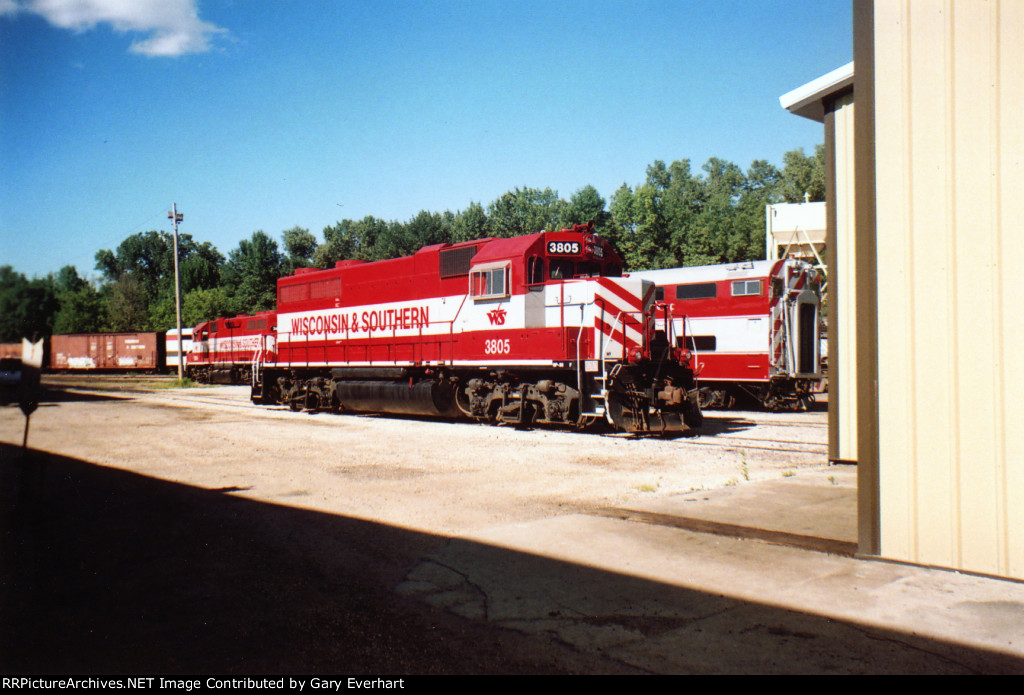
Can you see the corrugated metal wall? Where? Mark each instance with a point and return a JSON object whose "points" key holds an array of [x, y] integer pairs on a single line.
{"points": [[949, 155], [843, 370]]}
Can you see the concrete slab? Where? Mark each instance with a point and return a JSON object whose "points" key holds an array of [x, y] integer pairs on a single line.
{"points": [[665, 599]]}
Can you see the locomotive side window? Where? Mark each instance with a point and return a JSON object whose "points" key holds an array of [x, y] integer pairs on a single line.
{"points": [[487, 283], [746, 288], [659, 294], [562, 269], [699, 343], [700, 290], [535, 271], [612, 270]]}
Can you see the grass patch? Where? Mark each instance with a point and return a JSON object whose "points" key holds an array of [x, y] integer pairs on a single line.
{"points": [[185, 383]]}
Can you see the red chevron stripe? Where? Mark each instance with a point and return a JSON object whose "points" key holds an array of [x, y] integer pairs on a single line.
{"points": [[618, 334], [621, 292]]}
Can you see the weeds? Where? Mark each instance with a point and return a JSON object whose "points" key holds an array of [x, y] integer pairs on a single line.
{"points": [[185, 383]]}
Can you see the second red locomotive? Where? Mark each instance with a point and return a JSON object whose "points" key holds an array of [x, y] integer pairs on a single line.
{"points": [[534, 329], [224, 351]]}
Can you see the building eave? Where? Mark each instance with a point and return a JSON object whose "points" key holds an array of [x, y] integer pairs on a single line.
{"points": [[808, 100]]}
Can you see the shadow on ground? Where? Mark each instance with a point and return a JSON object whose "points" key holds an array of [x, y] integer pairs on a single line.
{"points": [[107, 571]]}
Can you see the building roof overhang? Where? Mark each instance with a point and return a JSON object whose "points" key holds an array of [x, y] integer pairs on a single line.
{"points": [[809, 100]]}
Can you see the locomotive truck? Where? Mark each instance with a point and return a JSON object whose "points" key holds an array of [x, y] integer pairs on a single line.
{"points": [[540, 328]]}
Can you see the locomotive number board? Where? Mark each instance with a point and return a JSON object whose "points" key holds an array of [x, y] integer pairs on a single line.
{"points": [[564, 248]]}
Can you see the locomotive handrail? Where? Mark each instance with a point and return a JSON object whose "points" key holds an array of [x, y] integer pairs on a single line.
{"points": [[603, 351], [579, 371], [692, 347]]}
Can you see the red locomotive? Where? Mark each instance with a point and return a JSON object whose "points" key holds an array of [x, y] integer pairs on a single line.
{"points": [[753, 329], [223, 351], [534, 329]]}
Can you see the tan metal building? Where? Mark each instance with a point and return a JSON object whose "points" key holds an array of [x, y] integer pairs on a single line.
{"points": [[935, 199], [829, 100]]}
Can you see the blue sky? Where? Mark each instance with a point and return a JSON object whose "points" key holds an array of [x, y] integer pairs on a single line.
{"points": [[267, 114]]}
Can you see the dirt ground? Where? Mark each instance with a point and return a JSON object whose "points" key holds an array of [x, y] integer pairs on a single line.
{"points": [[211, 535]]}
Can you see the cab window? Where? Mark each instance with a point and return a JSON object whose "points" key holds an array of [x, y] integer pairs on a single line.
{"points": [[562, 269], [746, 288], [489, 282], [535, 271]]}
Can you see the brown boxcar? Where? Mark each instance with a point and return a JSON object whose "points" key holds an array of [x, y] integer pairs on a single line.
{"points": [[10, 350], [113, 351]]}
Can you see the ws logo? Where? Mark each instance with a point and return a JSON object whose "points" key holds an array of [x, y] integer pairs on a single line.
{"points": [[497, 316]]}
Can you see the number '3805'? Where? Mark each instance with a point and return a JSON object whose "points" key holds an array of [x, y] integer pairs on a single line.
{"points": [[564, 247], [497, 346]]}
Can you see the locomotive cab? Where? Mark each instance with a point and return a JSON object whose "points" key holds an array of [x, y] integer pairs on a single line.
{"points": [[552, 257]]}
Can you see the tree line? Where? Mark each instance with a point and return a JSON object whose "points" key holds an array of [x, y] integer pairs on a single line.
{"points": [[676, 217]]}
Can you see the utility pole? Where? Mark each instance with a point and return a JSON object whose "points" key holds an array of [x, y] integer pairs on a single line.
{"points": [[177, 217]]}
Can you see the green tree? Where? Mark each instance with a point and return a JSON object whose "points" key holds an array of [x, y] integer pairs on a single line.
{"points": [[127, 304], [586, 205], [716, 236], [763, 187], [470, 224], [300, 247], [205, 305], [251, 272], [339, 244], [140, 274], [803, 175], [524, 211], [27, 307], [82, 308]]}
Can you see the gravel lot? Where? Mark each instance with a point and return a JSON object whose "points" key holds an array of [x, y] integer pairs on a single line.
{"points": [[362, 496], [441, 477]]}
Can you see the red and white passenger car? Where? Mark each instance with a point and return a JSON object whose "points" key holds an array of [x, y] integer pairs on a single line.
{"points": [[753, 329], [539, 328]]}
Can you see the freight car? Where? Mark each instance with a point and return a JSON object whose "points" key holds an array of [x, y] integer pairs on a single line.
{"points": [[753, 329], [223, 350], [108, 351], [534, 329]]}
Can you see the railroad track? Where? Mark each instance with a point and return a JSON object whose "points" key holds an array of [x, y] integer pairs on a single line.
{"points": [[756, 434]]}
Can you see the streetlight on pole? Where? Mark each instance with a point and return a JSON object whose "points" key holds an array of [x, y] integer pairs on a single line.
{"points": [[177, 217]]}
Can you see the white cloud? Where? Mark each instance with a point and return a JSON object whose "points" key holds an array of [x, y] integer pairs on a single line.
{"points": [[174, 25]]}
